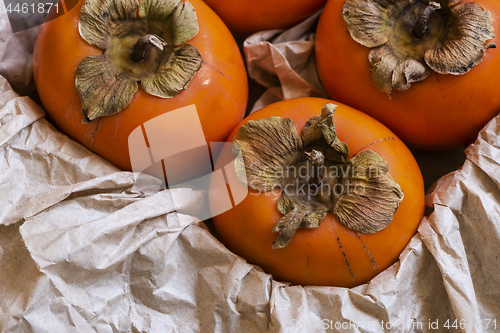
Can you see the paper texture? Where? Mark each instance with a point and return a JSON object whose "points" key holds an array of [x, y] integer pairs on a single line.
{"points": [[16, 54], [83, 250], [283, 62]]}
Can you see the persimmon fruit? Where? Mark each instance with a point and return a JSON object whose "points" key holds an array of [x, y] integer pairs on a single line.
{"points": [[451, 101], [218, 88], [244, 17], [331, 253]]}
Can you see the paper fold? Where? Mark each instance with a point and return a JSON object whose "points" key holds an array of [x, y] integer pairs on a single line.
{"points": [[82, 249]]}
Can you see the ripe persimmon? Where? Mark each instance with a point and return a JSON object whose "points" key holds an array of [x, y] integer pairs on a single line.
{"points": [[371, 208], [427, 70], [249, 16], [130, 62]]}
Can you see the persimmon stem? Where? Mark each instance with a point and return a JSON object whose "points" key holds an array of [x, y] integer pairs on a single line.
{"points": [[318, 160], [421, 25], [143, 43]]}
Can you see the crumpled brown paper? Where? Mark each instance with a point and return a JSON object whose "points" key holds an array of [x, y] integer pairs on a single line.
{"points": [[283, 62], [16, 53], [83, 250]]}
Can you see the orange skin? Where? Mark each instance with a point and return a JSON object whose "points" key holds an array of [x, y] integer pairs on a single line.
{"points": [[248, 16], [440, 112], [319, 256], [219, 89]]}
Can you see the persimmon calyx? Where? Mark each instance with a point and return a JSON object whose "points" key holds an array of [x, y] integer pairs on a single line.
{"points": [[411, 38], [315, 176], [143, 43]]}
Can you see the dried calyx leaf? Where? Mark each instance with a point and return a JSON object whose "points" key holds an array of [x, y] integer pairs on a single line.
{"points": [[315, 175], [412, 38], [472, 28], [142, 44]]}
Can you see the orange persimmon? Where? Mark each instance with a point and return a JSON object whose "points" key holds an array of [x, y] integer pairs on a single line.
{"points": [[219, 87], [452, 82], [249, 16], [331, 254]]}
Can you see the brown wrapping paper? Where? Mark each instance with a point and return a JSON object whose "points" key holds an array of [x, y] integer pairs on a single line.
{"points": [[283, 62], [16, 53], [82, 249]]}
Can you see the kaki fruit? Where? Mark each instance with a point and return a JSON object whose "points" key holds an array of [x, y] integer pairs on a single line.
{"points": [[333, 195], [248, 16], [108, 66], [425, 69]]}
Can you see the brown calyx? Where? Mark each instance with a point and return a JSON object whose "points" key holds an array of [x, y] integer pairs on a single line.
{"points": [[143, 43], [410, 39], [315, 175]]}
